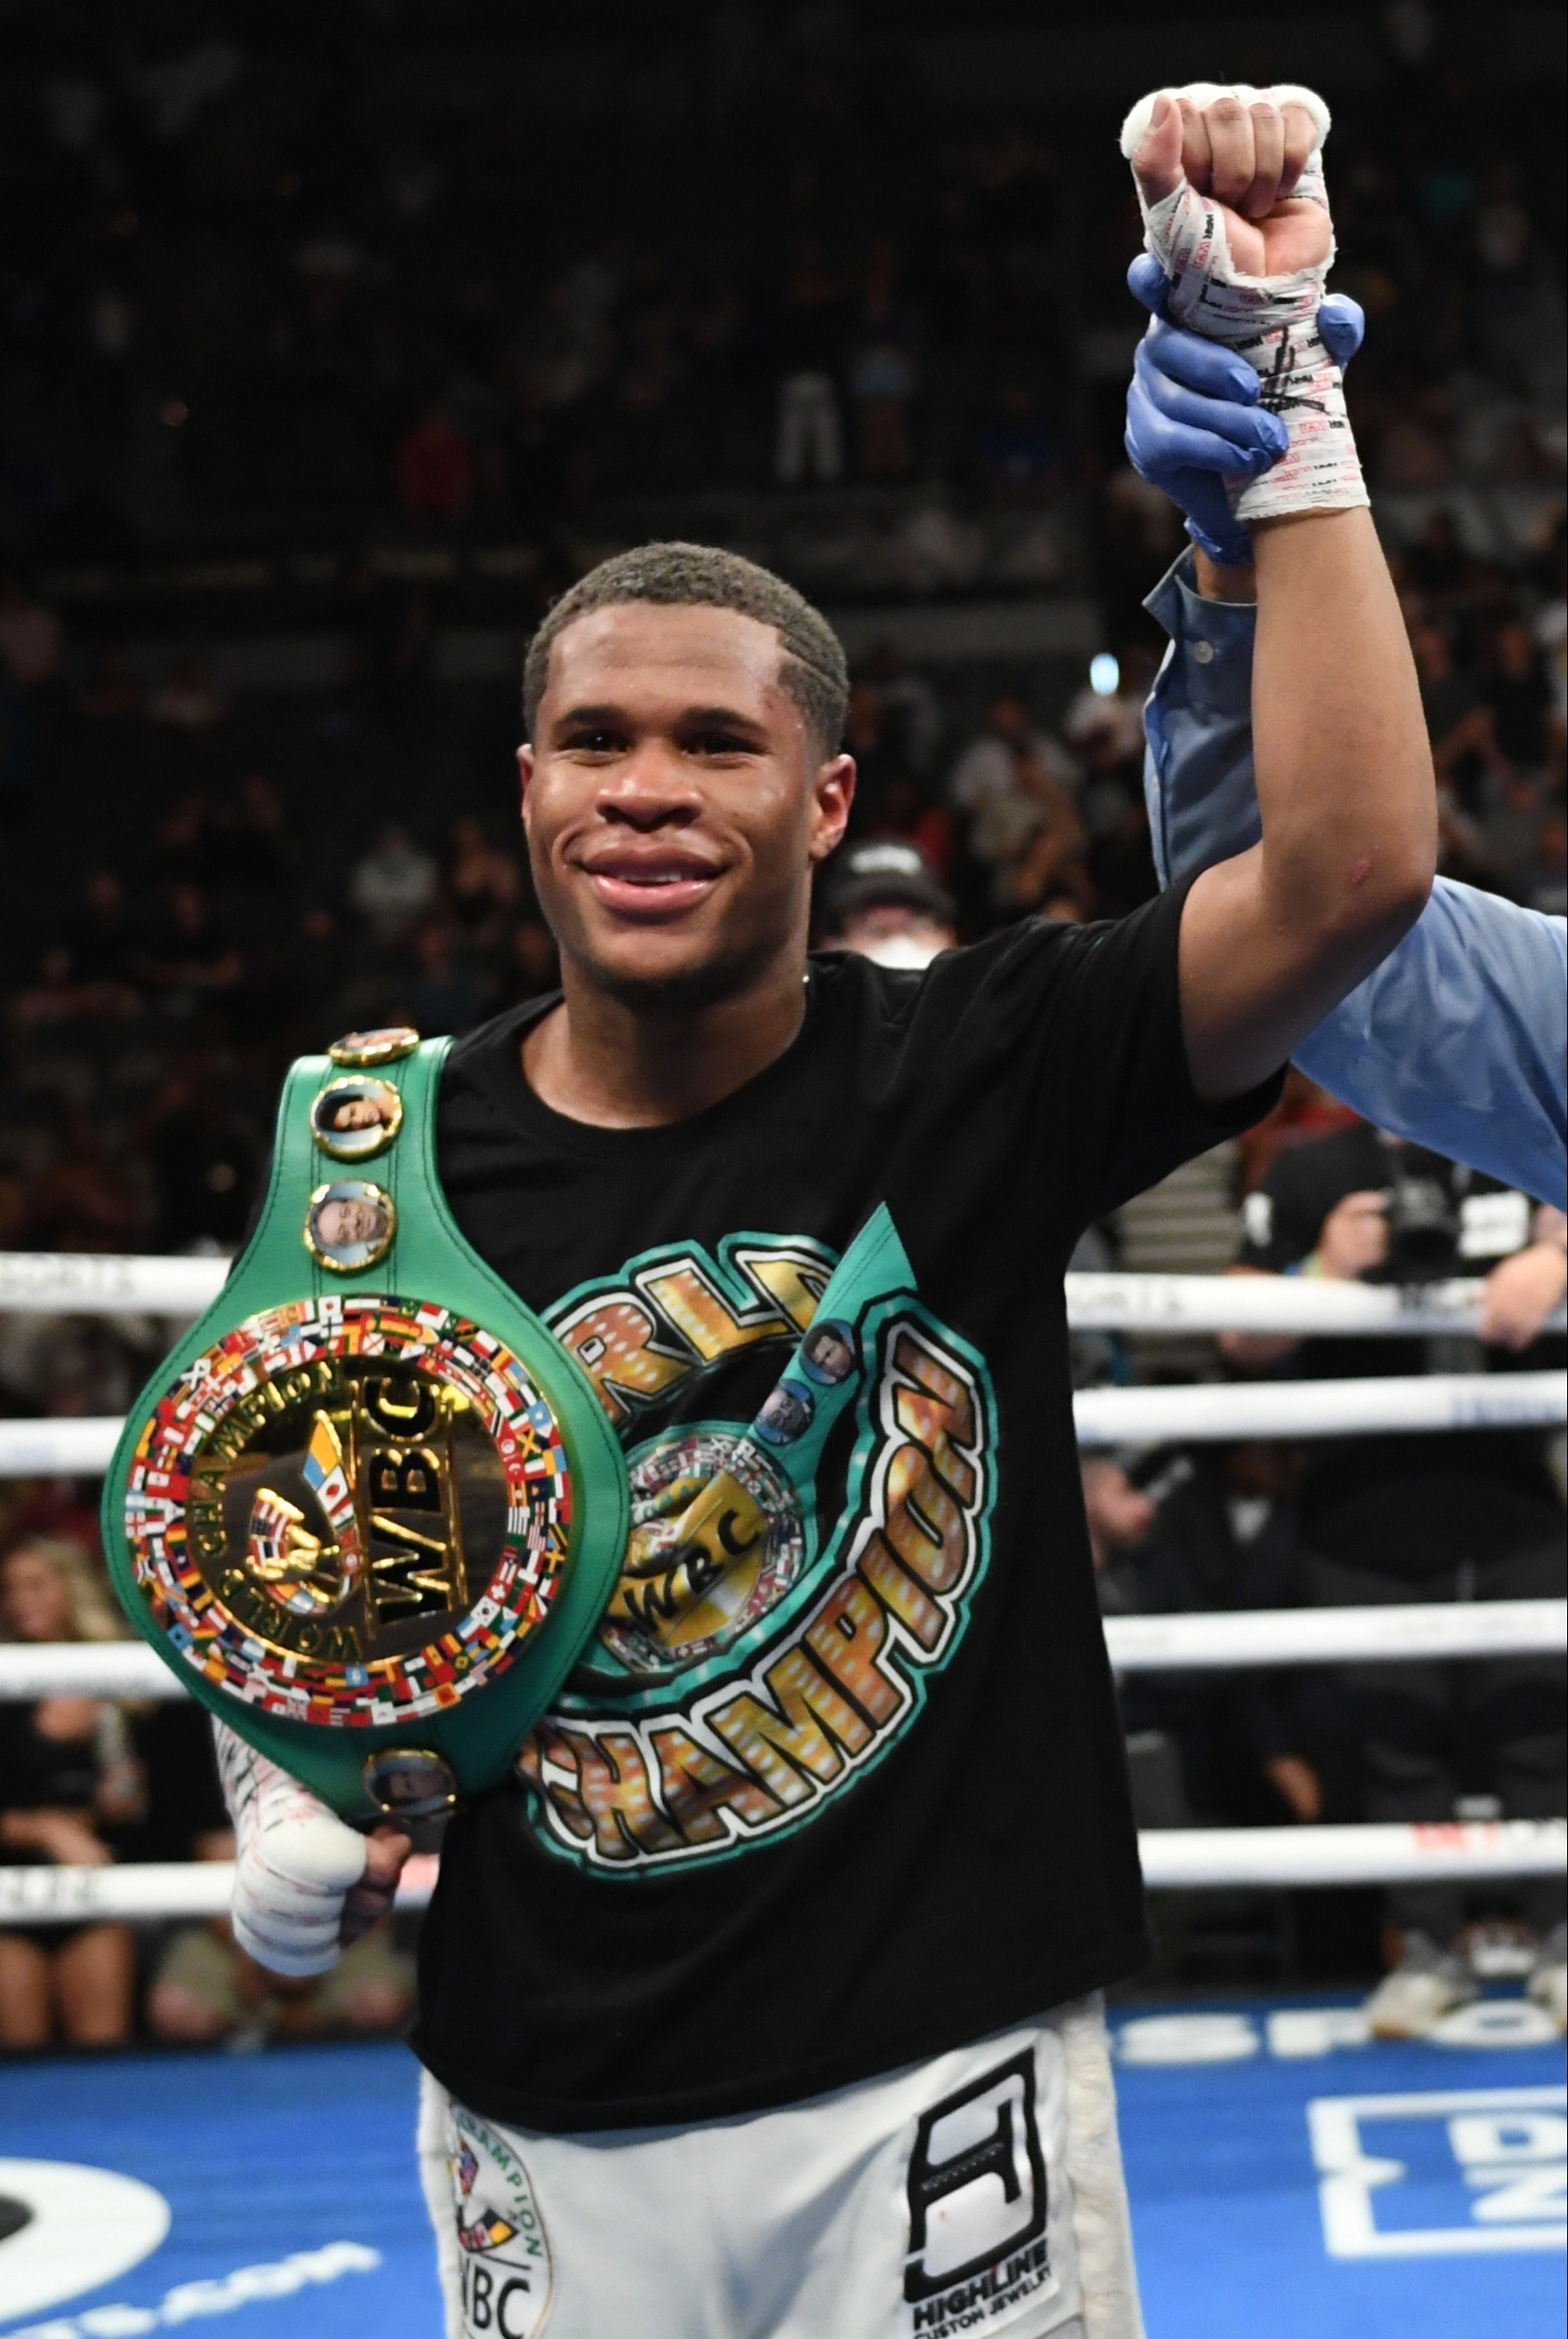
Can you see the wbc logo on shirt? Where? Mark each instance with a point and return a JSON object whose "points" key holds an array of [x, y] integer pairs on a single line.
{"points": [[762, 1657]]}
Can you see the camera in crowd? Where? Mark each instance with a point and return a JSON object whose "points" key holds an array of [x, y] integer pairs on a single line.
{"points": [[1423, 1230]]}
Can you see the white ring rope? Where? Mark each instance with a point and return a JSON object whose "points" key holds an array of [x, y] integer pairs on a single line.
{"points": [[1454, 1851], [1209, 1411], [1210, 1642], [1316, 1636], [106, 1283], [1278, 1304], [79, 1446], [1173, 1859], [114, 1284]]}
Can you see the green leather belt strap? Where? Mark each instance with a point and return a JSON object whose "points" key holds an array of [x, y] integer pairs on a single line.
{"points": [[370, 1510]]}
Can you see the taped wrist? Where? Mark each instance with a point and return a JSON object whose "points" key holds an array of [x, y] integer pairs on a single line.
{"points": [[295, 1862], [1271, 321]]}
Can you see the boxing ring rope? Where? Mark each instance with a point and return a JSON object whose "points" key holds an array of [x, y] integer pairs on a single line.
{"points": [[1185, 1859], [121, 1284], [1202, 1412], [1219, 1412], [1173, 1859], [1211, 1641]]}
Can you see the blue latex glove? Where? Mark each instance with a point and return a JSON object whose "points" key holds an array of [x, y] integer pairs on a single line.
{"points": [[1193, 412]]}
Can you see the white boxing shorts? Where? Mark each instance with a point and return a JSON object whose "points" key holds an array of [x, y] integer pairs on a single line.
{"points": [[981, 2192]]}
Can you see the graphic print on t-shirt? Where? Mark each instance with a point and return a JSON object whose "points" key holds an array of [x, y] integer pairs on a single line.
{"points": [[769, 1639]]}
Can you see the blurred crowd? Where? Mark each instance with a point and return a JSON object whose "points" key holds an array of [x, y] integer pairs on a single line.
{"points": [[270, 279], [359, 306]]}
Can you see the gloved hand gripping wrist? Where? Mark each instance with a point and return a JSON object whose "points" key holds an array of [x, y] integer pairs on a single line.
{"points": [[295, 1864], [1272, 321]]}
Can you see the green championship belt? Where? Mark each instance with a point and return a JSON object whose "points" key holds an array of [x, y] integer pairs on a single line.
{"points": [[369, 1510]]}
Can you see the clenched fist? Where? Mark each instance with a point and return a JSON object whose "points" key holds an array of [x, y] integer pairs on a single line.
{"points": [[1248, 155]]}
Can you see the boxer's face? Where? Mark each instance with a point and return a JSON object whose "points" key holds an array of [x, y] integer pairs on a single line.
{"points": [[674, 801]]}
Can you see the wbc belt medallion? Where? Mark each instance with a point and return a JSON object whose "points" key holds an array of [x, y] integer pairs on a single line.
{"points": [[344, 1515]]}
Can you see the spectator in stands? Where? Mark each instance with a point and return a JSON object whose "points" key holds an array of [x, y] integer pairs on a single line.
{"points": [[809, 334], [1015, 783], [1019, 457], [1183, 1533], [202, 1151], [253, 856], [1517, 701], [435, 470], [90, 1195], [186, 957], [482, 885], [1035, 841], [1105, 731], [1386, 1519], [1448, 698], [988, 768], [112, 696], [1543, 878], [1304, 1111], [189, 702], [68, 1791], [535, 962], [100, 941], [447, 991], [884, 900], [394, 886], [32, 638], [883, 375], [909, 705]]}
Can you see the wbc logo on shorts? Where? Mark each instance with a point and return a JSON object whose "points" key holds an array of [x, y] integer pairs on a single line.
{"points": [[504, 2258], [977, 2204]]}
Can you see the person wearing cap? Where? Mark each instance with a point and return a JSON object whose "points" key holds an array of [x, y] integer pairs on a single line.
{"points": [[885, 902]]}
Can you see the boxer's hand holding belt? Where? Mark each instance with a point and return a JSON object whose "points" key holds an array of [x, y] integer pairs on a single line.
{"points": [[1231, 187], [305, 1884]]}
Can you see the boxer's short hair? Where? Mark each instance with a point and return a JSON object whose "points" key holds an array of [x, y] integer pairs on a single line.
{"points": [[812, 668]]}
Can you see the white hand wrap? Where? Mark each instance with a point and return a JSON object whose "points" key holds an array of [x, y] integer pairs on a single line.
{"points": [[296, 1861], [1272, 321]]}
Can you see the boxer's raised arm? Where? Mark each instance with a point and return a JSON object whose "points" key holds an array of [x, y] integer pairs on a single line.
{"points": [[1273, 940], [1232, 190]]}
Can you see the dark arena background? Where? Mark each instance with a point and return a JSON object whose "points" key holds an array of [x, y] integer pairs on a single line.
{"points": [[336, 342]]}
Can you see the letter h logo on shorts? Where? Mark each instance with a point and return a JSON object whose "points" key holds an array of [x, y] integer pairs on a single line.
{"points": [[976, 2180]]}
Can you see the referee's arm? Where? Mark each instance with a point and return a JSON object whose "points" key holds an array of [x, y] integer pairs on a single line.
{"points": [[1459, 1039], [1274, 937]]}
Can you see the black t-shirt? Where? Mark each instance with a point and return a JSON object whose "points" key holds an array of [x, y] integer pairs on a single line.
{"points": [[184, 1796], [39, 1773], [873, 1804], [1402, 1505]]}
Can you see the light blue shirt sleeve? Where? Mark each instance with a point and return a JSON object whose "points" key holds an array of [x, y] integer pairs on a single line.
{"points": [[1459, 1039]]}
